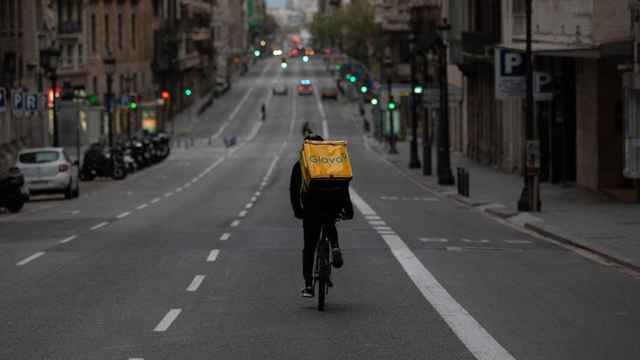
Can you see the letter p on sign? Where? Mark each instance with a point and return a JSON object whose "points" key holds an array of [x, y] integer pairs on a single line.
{"points": [[511, 62]]}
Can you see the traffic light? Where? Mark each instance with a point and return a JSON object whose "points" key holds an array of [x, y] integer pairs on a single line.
{"points": [[374, 101], [93, 100], [305, 58], [364, 89], [283, 63], [188, 92], [133, 105], [353, 78], [165, 95], [256, 53], [418, 89], [391, 105]]}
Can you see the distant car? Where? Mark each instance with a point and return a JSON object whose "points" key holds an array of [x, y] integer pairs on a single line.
{"points": [[329, 92], [305, 87], [280, 89], [49, 171]]}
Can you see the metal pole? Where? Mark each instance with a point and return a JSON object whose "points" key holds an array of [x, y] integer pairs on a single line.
{"points": [[530, 197], [414, 161], [426, 131], [56, 134], [445, 176], [110, 110], [392, 135]]}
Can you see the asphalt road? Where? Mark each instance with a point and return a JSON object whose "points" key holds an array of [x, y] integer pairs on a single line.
{"points": [[200, 258]]}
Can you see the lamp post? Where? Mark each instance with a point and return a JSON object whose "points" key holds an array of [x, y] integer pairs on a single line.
{"points": [[109, 69], [427, 157], [530, 197], [445, 176], [390, 109], [414, 161], [49, 60]]}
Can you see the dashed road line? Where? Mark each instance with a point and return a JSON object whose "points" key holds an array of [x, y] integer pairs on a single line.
{"points": [[98, 226], [123, 215], [155, 200], [213, 255], [169, 194], [143, 206], [167, 320], [253, 199], [195, 283], [225, 237], [29, 259], [436, 240], [242, 213], [518, 242], [377, 222], [179, 189], [469, 241], [249, 206], [257, 193], [66, 240], [235, 223]]}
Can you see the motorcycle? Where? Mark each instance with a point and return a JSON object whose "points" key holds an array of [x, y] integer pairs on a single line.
{"points": [[13, 191], [102, 161], [162, 144]]}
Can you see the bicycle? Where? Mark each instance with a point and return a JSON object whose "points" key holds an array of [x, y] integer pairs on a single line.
{"points": [[322, 272]]}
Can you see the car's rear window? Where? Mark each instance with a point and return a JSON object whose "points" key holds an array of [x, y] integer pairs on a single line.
{"points": [[39, 157]]}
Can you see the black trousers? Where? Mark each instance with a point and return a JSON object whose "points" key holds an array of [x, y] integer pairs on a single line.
{"points": [[311, 226]]}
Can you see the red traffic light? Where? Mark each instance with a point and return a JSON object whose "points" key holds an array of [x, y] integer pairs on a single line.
{"points": [[165, 95]]}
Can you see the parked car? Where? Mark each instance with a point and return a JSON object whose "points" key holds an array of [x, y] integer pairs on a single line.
{"points": [[13, 190], [49, 171], [280, 89], [305, 87], [329, 92]]}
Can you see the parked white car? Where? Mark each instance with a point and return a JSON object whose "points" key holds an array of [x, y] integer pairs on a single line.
{"points": [[49, 171]]}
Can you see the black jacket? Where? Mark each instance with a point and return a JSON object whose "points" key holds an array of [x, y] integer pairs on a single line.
{"points": [[336, 204]]}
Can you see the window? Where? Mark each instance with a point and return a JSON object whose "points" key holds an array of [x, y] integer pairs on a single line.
{"points": [[133, 30], [122, 89], [134, 80], [40, 157], [106, 32], [120, 31], [80, 54], [93, 33]]}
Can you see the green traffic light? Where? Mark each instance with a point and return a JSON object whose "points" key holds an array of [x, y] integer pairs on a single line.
{"points": [[256, 53], [133, 105], [418, 89], [284, 65], [93, 99], [188, 92], [364, 89], [305, 58], [338, 67], [353, 79], [392, 105], [374, 101]]}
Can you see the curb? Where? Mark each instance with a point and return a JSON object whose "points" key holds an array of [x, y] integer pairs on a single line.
{"points": [[572, 242]]}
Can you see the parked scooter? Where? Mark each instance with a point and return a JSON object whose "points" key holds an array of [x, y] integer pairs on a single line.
{"points": [[103, 161], [13, 191], [162, 145]]}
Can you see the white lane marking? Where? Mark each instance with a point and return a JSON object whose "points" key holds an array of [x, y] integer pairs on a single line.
{"points": [[136, 358], [469, 241], [381, 228], [242, 213], [195, 283], [438, 240], [143, 206], [454, 248], [225, 237], [372, 217], [75, 212], [479, 342], [155, 200], [169, 194], [167, 320], [377, 222], [257, 193], [123, 215], [253, 199], [66, 240], [271, 167], [389, 232], [187, 185], [179, 189], [518, 241], [213, 255], [235, 223], [30, 258], [101, 225], [248, 206]]}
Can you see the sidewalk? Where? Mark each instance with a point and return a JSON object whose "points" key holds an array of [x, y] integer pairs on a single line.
{"points": [[579, 217]]}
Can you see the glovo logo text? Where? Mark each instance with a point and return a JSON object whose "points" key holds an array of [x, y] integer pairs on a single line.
{"points": [[328, 160]]}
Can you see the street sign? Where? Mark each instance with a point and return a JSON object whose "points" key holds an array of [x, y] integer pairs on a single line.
{"points": [[31, 102], [511, 77], [3, 100], [17, 101]]}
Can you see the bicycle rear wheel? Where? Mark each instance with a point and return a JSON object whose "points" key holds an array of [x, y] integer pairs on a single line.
{"points": [[323, 273]]}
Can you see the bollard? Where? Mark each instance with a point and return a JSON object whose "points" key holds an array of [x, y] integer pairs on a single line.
{"points": [[463, 181], [210, 140]]}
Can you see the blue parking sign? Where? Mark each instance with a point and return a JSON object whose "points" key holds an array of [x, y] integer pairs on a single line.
{"points": [[3, 100], [17, 101]]}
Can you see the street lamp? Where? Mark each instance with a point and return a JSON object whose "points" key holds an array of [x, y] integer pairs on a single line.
{"points": [[109, 69], [391, 107], [445, 176], [414, 161], [49, 60]]}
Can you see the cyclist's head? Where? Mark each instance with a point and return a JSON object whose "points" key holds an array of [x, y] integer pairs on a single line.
{"points": [[313, 137]]}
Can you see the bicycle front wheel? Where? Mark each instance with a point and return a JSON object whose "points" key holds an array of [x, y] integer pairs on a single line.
{"points": [[323, 273]]}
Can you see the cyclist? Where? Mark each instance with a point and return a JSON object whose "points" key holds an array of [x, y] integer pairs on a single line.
{"points": [[312, 210], [306, 129], [263, 111]]}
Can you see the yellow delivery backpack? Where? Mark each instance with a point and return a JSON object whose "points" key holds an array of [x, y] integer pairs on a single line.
{"points": [[325, 165]]}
